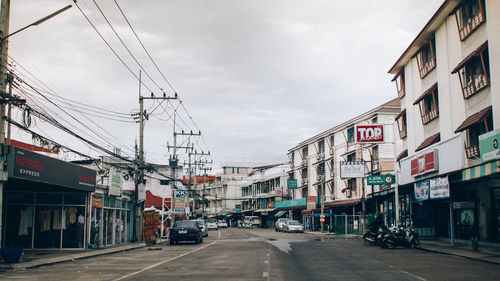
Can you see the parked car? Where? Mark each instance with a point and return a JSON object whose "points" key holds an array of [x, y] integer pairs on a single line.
{"points": [[201, 225], [278, 225], [185, 231], [222, 223], [293, 226], [212, 224]]}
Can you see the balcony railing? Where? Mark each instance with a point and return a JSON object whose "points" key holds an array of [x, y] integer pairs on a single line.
{"points": [[427, 67], [472, 151], [431, 115], [476, 84], [471, 25]]}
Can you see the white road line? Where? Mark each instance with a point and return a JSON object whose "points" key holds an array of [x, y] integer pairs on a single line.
{"points": [[165, 261], [405, 272]]}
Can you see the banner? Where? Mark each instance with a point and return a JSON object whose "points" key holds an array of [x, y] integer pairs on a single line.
{"points": [[422, 190], [115, 188], [96, 202], [439, 188]]}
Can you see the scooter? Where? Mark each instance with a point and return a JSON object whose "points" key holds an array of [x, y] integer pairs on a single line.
{"points": [[401, 237], [374, 238]]}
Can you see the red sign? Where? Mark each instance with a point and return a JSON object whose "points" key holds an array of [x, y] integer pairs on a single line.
{"points": [[369, 133], [424, 163], [270, 204]]}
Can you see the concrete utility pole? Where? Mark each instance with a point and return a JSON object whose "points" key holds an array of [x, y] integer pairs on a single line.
{"points": [[140, 159], [195, 153]]}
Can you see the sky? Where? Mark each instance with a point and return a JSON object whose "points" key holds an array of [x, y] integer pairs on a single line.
{"points": [[255, 77]]}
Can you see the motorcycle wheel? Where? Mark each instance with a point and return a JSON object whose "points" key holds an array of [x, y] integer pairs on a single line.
{"points": [[416, 244], [390, 244], [368, 242]]}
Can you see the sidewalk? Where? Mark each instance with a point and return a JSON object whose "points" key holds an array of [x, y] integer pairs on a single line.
{"points": [[36, 258], [488, 251]]}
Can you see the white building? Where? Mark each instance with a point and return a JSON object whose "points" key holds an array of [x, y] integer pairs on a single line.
{"points": [[315, 162], [448, 80]]}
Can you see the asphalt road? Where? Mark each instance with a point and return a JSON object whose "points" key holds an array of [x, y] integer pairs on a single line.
{"points": [[237, 254]]}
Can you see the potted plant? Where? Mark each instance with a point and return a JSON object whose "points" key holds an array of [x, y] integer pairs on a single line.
{"points": [[474, 244]]}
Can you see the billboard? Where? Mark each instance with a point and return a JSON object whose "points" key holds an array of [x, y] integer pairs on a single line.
{"points": [[373, 133], [354, 169]]}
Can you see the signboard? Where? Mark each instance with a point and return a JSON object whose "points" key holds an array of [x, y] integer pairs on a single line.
{"points": [[424, 163], [311, 202], [291, 183], [422, 190], [355, 169], [373, 133], [115, 188], [96, 202], [291, 203], [180, 201], [439, 188], [265, 188], [464, 205], [381, 179], [270, 204], [27, 165], [278, 199], [489, 145]]}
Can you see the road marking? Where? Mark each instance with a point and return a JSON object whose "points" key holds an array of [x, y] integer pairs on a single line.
{"points": [[165, 261], [402, 271]]}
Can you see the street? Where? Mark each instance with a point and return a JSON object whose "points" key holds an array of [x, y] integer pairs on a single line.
{"points": [[263, 254]]}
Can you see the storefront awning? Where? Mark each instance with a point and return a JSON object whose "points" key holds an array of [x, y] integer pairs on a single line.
{"points": [[263, 210], [428, 141], [474, 119], [279, 214], [482, 170], [342, 203]]}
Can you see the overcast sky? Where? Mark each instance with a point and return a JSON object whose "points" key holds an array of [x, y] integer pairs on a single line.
{"points": [[257, 77]]}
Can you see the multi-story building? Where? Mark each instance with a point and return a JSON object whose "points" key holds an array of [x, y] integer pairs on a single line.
{"points": [[448, 83], [224, 194], [315, 163], [265, 186]]}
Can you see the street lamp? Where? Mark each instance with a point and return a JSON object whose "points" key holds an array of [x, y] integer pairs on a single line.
{"points": [[39, 21]]}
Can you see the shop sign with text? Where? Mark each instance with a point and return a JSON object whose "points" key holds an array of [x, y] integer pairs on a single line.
{"points": [[373, 133], [311, 202], [489, 145], [380, 179], [424, 163], [291, 183], [355, 169], [422, 190], [439, 188]]}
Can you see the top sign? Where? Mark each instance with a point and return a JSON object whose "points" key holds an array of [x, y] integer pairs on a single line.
{"points": [[369, 133], [489, 145]]}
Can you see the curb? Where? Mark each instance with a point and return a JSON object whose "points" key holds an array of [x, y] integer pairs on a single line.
{"points": [[459, 255], [85, 255]]}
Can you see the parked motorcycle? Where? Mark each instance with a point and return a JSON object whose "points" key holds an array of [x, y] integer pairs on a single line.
{"points": [[401, 236], [374, 238]]}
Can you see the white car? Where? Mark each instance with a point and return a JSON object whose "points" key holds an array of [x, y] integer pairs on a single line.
{"points": [[222, 223], [211, 224], [278, 225], [203, 227], [293, 226]]}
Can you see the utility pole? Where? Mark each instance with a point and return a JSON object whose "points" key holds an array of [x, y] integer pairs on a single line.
{"points": [[140, 159], [4, 29], [174, 161], [205, 175], [195, 153]]}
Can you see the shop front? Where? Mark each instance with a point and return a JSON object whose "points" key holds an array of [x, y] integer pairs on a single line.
{"points": [[45, 202], [111, 217]]}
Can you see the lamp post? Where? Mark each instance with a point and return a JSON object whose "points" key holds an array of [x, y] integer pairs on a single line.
{"points": [[4, 47]]}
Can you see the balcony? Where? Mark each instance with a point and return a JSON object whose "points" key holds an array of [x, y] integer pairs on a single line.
{"points": [[476, 84], [431, 115], [427, 67]]}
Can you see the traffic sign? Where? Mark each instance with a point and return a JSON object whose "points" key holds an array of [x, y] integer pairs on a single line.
{"points": [[380, 179]]}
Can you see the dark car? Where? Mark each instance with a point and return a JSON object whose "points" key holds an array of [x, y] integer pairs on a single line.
{"points": [[185, 231]]}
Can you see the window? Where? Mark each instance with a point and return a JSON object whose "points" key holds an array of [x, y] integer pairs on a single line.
{"points": [[470, 15], [428, 104], [351, 157], [321, 169], [304, 152], [350, 135], [401, 120], [476, 125], [400, 83], [332, 140], [472, 136], [473, 71], [321, 146], [426, 59]]}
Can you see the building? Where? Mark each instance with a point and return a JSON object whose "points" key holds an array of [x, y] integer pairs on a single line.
{"points": [[316, 165], [448, 83], [265, 186]]}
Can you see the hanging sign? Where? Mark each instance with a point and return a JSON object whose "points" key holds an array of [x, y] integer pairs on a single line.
{"points": [[291, 183], [115, 188], [380, 179], [311, 202], [96, 202], [373, 133], [354, 169], [439, 188], [489, 145], [422, 190]]}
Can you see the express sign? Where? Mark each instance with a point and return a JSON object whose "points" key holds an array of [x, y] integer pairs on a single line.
{"points": [[369, 133]]}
